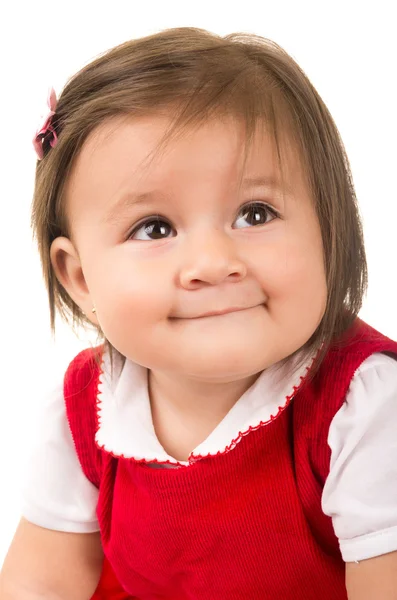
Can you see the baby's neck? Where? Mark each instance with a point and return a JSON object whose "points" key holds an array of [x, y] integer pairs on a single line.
{"points": [[185, 412]]}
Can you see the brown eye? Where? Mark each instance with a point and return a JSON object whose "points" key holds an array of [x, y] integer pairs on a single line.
{"points": [[152, 229], [253, 214]]}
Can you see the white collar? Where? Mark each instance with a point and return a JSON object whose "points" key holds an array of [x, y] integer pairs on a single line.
{"points": [[125, 426]]}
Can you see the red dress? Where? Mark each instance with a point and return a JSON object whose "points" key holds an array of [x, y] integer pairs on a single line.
{"points": [[244, 524]]}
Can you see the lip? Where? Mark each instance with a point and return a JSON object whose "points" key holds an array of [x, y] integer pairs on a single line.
{"points": [[217, 313]]}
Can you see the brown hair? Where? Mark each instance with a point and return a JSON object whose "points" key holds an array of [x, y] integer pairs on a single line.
{"points": [[204, 75]]}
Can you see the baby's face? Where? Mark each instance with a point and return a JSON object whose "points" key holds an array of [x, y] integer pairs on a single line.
{"points": [[161, 248]]}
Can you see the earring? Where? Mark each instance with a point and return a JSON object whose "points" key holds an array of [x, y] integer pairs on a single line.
{"points": [[94, 309]]}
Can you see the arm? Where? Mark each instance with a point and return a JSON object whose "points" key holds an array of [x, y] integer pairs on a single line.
{"points": [[373, 579], [360, 493], [51, 565]]}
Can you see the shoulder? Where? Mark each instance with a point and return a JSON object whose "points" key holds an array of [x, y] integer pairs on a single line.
{"points": [[372, 395], [55, 492], [88, 361], [88, 356], [80, 389], [350, 351], [380, 367], [372, 389], [360, 493], [361, 357], [83, 368], [370, 405]]}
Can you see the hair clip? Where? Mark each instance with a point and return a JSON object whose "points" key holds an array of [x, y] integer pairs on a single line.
{"points": [[46, 130]]}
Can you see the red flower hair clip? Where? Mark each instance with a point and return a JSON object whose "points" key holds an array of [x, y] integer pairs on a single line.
{"points": [[46, 130]]}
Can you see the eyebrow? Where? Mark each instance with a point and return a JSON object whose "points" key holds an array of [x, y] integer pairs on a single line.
{"points": [[132, 199]]}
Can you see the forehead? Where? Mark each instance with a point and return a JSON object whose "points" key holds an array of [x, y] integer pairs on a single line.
{"points": [[114, 160]]}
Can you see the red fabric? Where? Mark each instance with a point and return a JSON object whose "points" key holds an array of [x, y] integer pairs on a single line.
{"points": [[246, 524], [109, 587]]}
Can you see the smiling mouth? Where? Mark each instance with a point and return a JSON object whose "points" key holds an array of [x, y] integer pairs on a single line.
{"points": [[218, 313]]}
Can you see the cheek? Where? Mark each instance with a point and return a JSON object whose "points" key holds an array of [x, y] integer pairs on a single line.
{"points": [[299, 272], [293, 272], [129, 291]]}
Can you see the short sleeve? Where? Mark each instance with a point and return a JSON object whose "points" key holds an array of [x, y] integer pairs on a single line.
{"points": [[55, 493], [360, 493]]}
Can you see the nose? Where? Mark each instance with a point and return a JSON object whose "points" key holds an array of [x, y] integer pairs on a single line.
{"points": [[211, 259]]}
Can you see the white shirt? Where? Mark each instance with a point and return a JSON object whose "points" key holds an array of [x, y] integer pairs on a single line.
{"points": [[360, 493]]}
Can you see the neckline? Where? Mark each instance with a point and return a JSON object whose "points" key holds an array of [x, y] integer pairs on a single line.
{"points": [[124, 421]]}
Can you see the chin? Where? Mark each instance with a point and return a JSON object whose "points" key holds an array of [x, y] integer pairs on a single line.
{"points": [[223, 367]]}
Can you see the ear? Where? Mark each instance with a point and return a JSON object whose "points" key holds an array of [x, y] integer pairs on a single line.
{"points": [[69, 272]]}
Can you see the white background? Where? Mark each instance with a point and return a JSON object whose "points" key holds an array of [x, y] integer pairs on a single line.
{"points": [[347, 48]]}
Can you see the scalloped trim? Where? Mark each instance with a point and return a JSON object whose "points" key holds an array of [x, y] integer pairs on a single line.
{"points": [[98, 420], [287, 402], [193, 457], [272, 418], [98, 401]]}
